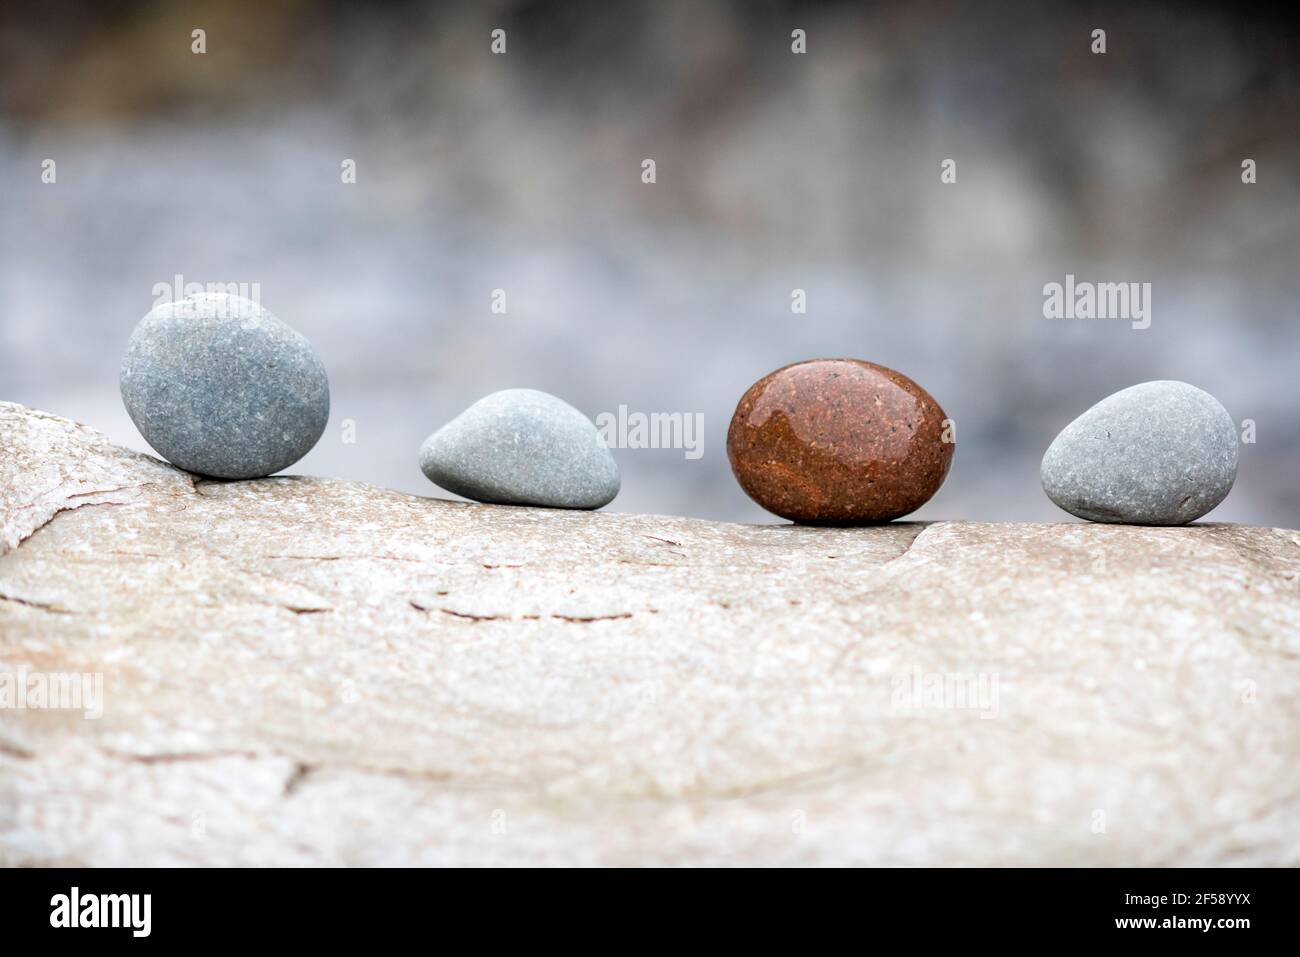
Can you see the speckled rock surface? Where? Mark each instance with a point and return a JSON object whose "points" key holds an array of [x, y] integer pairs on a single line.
{"points": [[220, 387], [1158, 453], [522, 447], [838, 441], [304, 671]]}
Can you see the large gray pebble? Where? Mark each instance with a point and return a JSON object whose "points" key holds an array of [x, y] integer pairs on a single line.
{"points": [[522, 447], [1159, 453], [219, 386]]}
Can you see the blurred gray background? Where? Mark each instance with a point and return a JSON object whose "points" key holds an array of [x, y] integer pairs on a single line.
{"points": [[775, 171]]}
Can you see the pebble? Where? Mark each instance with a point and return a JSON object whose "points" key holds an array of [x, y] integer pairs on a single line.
{"points": [[522, 447], [220, 387], [840, 442], [1158, 453]]}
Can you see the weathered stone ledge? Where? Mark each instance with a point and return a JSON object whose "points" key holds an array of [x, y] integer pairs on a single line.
{"points": [[310, 671]]}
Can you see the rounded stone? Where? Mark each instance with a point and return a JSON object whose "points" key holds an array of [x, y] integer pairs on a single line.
{"points": [[522, 447], [1158, 453], [219, 386], [839, 442]]}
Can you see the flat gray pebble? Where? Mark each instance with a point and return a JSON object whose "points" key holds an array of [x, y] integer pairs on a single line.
{"points": [[522, 447], [1158, 453], [220, 387]]}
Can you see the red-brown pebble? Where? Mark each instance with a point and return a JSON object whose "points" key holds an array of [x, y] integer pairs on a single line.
{"points": [[839, 442]]}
